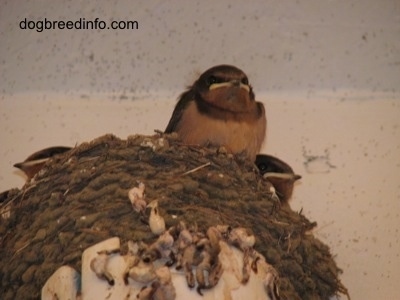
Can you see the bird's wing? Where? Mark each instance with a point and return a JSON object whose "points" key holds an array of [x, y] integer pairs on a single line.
{"points": [[180, 107]]}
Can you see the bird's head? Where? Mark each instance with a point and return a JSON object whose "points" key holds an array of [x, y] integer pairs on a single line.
{"points": [[225, 87], [278, 173]]}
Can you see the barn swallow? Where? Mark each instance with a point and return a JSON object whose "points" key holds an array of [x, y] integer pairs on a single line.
{"points": [[220, 109], [279, 173], [35, 162]]}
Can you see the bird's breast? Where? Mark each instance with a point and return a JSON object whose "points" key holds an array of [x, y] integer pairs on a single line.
{"points": [[237, 136]]}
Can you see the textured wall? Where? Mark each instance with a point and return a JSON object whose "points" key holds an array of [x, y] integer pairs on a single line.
{"points": [[327, 71], [283, 45]]}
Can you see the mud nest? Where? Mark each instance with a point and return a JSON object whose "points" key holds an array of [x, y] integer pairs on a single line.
{"points": [[81, 198]]}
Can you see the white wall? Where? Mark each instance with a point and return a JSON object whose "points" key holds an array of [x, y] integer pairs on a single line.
{"points": [[327, 71], [284, 45]]}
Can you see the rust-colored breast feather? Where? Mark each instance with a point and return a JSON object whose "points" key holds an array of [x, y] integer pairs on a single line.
{"points": [[243, 135]]}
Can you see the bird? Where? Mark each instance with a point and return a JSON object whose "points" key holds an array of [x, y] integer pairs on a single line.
{"points": [[220, 109], [35, 162], [279, 174]]}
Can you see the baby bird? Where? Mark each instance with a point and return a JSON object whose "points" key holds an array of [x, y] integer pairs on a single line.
{"points": [[35, 162], [279, 173], [220, 109]]}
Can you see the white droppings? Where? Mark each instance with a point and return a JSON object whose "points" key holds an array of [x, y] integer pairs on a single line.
{"points": [[136, 196], [156, 221], [99, 266]]}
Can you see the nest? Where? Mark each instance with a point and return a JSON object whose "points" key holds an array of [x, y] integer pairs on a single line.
{"points": [[80, 198]]}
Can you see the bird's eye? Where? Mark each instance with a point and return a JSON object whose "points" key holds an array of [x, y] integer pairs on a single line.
{"points": [[266, 167], [245, 81], [212, 79], [262, 167]]}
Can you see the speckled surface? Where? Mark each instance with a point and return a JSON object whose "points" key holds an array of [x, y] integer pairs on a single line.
{"points": [[328, 73], [283, 46]]}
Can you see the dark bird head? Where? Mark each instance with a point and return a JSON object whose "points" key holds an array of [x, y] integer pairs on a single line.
{"points": [[225, 87], [279, 173], [35, 162]]}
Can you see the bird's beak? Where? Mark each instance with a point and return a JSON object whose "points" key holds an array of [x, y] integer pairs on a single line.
{"points": [[27, 164], [229, 84], [284, 176], [296, 177]]}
